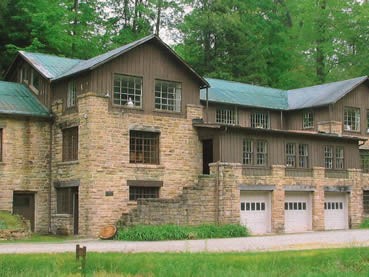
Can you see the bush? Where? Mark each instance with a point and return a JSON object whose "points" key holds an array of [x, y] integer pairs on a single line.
{"points": [[365, 224], [9, 221], [176, 232]]}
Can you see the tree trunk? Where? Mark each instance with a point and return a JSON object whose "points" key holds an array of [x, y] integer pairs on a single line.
{"points": [[158, 17], [321, 28]]}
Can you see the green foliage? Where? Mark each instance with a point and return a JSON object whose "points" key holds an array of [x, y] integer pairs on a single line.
{"points": [[9, 221], [331, 262], [176, 232], [365, 224]]}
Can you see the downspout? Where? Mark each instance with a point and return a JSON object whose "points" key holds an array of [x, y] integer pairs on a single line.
{"points": [[207, 105], [282, 127], [50, 175], [330, 118]]}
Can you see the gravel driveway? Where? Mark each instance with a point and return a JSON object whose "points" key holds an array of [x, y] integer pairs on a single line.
{"points": [[311, 240]]}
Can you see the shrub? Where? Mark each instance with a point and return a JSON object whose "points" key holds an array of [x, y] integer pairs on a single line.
{"points": [[365, 224], [9, 221], [176, 232]]}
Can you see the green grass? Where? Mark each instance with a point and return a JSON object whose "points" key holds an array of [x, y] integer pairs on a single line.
{"points": [[365, 224], [9, 221], [331, 262], [40, 238], [176, 232]]}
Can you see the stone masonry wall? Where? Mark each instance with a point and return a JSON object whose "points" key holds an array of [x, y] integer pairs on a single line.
{"points": [[103, 164], [25, 165]]}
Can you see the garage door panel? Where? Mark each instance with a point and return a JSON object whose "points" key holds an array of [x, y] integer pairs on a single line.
{"points": [[255, 211], [335, 211], [297, 214]]}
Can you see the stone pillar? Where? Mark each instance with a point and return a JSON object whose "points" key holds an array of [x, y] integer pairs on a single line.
{"points": [[318, 199], [355, 201], [278, 197]]}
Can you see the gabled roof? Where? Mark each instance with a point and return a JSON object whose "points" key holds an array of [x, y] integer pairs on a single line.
{"points": [[230, 92], [321, 95], [48, 65], [17, 99]]}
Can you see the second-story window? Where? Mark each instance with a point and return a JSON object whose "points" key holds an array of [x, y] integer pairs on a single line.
{"points": [[291, 155], [297, 155], [225, 116], [72, 94], [260, 120], [255, 152], [308, 119], [334, 157], [70, 144], [127, 90], [303, 156], [1, 145], [367, 121], [168, 96], [144, 147], [351, 119], [35, 80]]}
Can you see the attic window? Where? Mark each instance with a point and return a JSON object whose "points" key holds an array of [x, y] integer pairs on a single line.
{"points": [[351, 119], [260, 120], [127, 90], [72, 93], [35, 80], [225, 116], [308, 119]]}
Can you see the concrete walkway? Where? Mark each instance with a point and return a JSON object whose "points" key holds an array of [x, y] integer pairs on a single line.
{"points": [[312, 240]]}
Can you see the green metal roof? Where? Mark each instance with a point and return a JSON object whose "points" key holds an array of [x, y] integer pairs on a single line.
{"points": [[17, 99], [50, 66], [230, 92]]}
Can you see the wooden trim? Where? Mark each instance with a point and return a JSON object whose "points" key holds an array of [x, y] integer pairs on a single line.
{"points": [[144, 183]]}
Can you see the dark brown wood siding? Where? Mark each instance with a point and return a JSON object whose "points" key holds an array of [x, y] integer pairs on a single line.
{"points": [[150, 62], [231, 148], [293, 119], [244, 115], [358, 98]]}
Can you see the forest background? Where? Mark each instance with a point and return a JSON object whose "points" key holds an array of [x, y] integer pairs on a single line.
{"points": [[278, 43]]}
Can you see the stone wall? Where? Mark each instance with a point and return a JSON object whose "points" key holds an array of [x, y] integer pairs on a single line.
{"points": [[25, 165], [103, 164]]}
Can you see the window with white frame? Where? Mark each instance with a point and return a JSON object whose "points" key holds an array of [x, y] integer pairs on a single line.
{"points": [[35, 80], [168, 95], [303, 156], [367, 121], [261, 152], [225, 116], [260, 120], [72, 94], [339, 157], [351, 119], [328, 157], [127, 90], [308, 119], [297, 155], [248, 152]]}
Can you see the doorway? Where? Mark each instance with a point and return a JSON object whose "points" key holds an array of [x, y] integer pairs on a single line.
{"points": [[207, 155], [24, 205]]}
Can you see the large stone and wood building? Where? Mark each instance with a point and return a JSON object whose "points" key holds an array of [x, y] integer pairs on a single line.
{"points": [[137, 136]]}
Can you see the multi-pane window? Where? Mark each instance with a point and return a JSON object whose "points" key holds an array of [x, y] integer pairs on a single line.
{"points": [[225, 116], [328, 157], [1, 145], [70, 144], [64, 200], [24, 74], [127, 90], [255, 152], [261, 152], [364, 155], [334, 157], [339, 157], [136, 192], [35, 79], [291, 155], [168, 95], [351, 119], [308, 119], [248, 152], [144, 147], [366, 201], [260, 120], [297, 155], [72, 94]]}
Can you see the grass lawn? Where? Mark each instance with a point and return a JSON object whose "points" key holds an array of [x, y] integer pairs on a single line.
{"points": [[39, 238], [332, 262]]}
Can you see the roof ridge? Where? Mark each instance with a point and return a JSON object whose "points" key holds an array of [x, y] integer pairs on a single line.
{"points": [[50, 55]]}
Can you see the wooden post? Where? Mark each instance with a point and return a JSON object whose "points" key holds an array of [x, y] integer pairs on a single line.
{"points": [[81, 252]]}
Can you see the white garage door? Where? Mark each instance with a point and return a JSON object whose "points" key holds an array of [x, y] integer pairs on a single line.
{"points": [[297, 212], [255, 211], [335, 211]]}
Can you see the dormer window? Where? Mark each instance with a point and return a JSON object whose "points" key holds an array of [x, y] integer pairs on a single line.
{"points": [[260, 120], [225, 116], [351, 119], [127, 91], [72, 94], [35, 80]]}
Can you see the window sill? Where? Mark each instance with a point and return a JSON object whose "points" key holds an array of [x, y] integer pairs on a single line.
{"points": [[153, 166], [352, 131], [62, 215], [68, 162], [125, 107], [168, 112]]}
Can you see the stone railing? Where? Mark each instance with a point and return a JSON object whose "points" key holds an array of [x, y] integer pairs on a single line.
{"points": [[256, 171], [299, 172], [340, 174]]}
